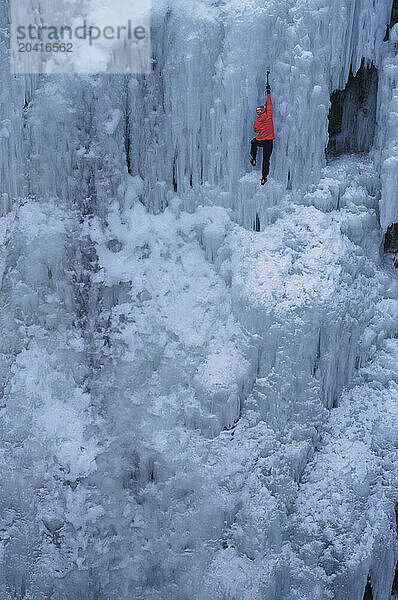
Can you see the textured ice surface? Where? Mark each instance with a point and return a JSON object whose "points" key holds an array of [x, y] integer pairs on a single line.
{"points": [[191, 408], [388, 132]]}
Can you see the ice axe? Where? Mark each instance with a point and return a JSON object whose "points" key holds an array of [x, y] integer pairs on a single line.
{"points": [[268, 74]]}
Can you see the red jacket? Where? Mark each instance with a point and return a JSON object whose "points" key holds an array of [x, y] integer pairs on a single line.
{"points": [[264, 124]]}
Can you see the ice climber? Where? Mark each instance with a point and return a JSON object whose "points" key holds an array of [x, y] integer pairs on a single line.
{"points": [[264, 127]]}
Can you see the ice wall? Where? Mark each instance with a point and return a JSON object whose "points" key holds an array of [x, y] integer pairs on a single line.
{"points": [[310, 48], [204, 144], [388, 124], [177, 372]]}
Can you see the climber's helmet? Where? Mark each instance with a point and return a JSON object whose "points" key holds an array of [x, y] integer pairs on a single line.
{"points": [[260, 110]]}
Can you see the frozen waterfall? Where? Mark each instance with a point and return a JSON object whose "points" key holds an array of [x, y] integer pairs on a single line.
{"points": [[199, 375]]}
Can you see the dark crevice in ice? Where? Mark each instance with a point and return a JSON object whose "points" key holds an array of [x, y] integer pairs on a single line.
{"points": [[368, 595], [395, 582], [390, 244], [127, 134], [257, 223], [391, 238], [393, 20], [352, 116]]}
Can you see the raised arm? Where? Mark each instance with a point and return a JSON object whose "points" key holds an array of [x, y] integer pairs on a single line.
{"points": [[270, 108]]}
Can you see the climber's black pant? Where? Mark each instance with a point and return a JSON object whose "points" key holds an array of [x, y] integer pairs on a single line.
{"points": [[267, 146]]}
